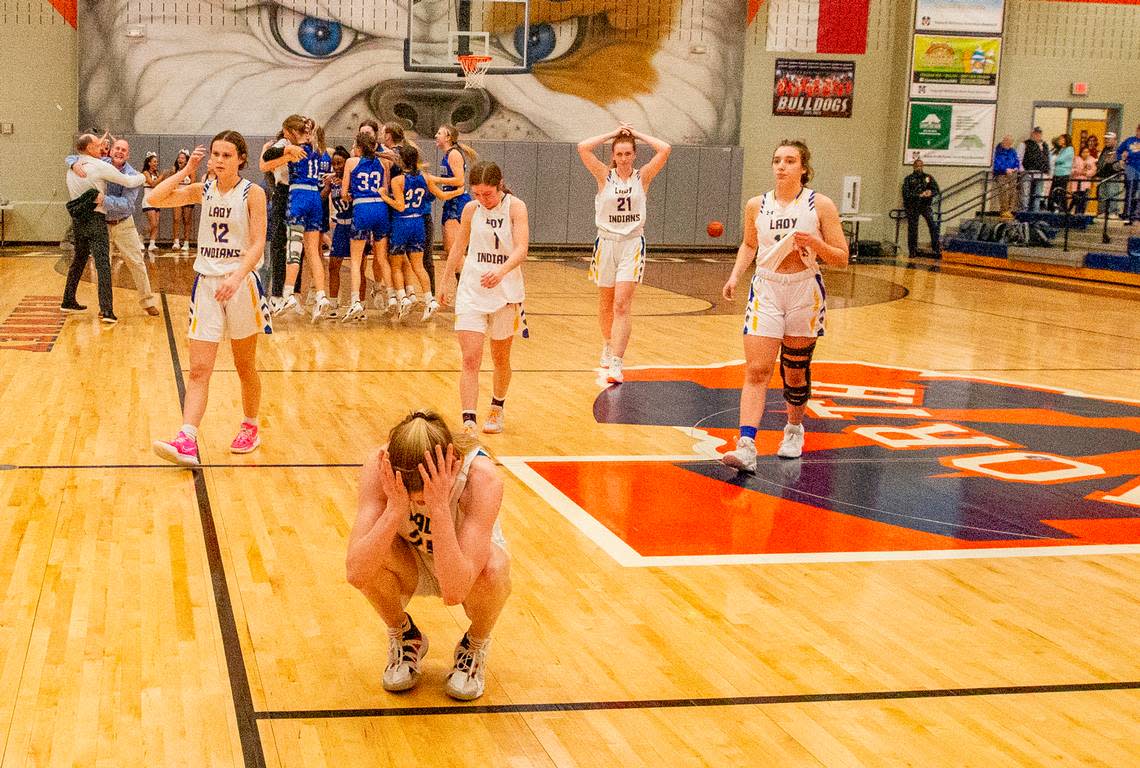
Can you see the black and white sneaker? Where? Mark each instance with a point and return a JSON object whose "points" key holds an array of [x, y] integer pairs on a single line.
{"points": [[404, 656]]}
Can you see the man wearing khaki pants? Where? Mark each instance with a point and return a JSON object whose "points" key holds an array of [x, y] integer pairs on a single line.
{"points": [[120, 204]]}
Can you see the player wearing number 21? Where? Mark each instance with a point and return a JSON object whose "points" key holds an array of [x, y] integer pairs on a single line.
{"points": [[619, 250], [227, 298]]}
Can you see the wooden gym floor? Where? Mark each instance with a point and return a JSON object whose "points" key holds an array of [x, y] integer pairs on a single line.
{"points": [[876, 603]]}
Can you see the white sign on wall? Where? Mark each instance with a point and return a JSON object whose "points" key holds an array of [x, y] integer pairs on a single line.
{"points": [[977, 16]]}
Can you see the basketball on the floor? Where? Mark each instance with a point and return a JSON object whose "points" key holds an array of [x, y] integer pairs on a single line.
{"points": [[715, 229]]}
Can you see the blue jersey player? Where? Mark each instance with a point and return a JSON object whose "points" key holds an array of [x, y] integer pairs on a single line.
{"points": [[365, 177], [412, 193]]}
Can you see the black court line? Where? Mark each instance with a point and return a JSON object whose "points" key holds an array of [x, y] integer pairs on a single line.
{"points": [[1042, 370], [400, 370], [173, 468], [251, 748], [723, 701]]}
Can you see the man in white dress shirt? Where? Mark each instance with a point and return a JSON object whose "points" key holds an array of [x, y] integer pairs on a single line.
{"points": [[90, 222]]}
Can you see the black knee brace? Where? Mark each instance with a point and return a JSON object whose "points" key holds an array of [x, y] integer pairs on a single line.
{"points": [[799, 358]]}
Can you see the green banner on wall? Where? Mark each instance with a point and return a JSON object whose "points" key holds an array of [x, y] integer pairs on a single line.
{"points": [[943, 133]]}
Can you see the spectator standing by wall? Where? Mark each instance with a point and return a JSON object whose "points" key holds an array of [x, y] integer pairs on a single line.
{"points": [[1062, 169], [1109, 193], [1084, 168], [1006, 168], [1129, 154], [1035, 162]]}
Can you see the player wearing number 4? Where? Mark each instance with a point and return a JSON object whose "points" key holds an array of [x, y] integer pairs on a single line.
{"points": [[227, 299], [785, 231], [427, 524], [411, 197], [619, 250], [491, 246]]}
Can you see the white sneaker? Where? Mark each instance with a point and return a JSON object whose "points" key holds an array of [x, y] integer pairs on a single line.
{"points": [[470, 428], [465, 682], [355, 312], [287, 303], [334, 309], [320, 309], [615, 375], [377, 297], [151, 246], [607, 353], [186, 246], [430, 309], [176, 245], [493, 424], [404, 656], [405, 307], [744, 457], [792, 446], [392, 306]]}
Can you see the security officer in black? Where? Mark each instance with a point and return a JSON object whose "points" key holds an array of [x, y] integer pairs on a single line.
{"points": [[918, 191]]}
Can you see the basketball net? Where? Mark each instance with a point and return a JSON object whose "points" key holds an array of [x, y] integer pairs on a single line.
{"points": [[475, 68]]}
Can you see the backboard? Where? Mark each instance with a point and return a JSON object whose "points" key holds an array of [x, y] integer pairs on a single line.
{"points": [[441, 30]]}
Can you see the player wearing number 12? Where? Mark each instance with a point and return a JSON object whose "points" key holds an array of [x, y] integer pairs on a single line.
{"points": [[227, 299], [619, 250]]}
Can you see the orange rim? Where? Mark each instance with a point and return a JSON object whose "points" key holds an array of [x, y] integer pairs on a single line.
{"points": [[471, 61]]}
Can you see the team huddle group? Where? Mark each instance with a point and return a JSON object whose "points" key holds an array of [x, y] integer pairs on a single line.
{"points": [[427, 521]]}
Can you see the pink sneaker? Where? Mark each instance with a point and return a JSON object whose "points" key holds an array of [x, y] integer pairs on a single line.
{"points": [[246, 440], [182, 450]]}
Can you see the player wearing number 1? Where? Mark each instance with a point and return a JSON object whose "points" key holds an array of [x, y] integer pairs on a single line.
{"points": [[227, 299], [490, 247], [619, 250]]}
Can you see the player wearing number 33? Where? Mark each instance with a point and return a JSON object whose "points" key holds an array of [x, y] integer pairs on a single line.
{"points": [[785, 231], [227, 298], [619, 250]]}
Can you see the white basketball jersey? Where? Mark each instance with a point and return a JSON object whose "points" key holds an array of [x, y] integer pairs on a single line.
{"points": [[776, 223], [223, 230], [619, 206], [489, 248]]}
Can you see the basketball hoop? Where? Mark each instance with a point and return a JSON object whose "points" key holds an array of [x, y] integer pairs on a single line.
{"points": [[475, 68]]}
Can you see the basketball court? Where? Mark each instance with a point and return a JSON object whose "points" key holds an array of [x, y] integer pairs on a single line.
{"points": [[883, 600], [946, 577]]}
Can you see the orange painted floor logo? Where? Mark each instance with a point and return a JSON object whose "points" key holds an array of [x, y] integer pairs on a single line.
{"points": [[897, 464]]}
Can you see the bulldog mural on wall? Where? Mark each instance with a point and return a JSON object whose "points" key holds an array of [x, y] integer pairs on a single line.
{"points": [[672, 67]]}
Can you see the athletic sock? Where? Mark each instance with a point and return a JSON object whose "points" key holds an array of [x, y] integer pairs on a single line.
{"points": [[749, 432], [250, 420], [498, 402], [475, 643], [403, 629], [469, 416], [400, 294], [190, 431]]}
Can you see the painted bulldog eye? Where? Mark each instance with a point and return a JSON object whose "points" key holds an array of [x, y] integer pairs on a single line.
{"points": [[309, 36], [547, 41]]}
